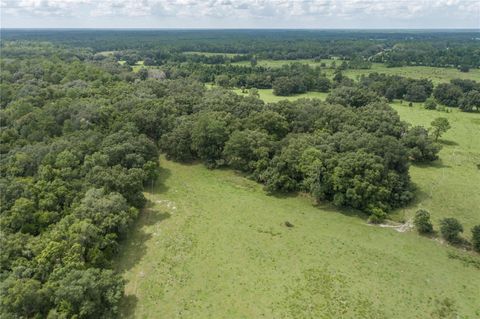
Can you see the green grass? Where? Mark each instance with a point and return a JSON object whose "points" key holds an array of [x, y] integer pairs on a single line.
{"points": [[138, 65], [278, 63], [229, 55], [268, 96], [448, 187], [437, 75], [212, 244]]}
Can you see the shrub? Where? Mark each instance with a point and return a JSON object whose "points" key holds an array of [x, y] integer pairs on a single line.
{"points": [[422, 222], [430, 104], [476, 238], [450, 229], [377, 215]]}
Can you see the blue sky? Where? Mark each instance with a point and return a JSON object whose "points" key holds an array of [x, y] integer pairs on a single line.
{"points": [[240, 14]]}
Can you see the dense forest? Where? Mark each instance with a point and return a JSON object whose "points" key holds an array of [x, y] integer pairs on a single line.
{"points": [[435, 48], [81, 136]]}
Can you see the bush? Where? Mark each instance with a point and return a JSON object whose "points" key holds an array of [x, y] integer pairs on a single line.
{"points": [[377, 216], [430, 104], [422, 222], [450, 229], [476, 238]]}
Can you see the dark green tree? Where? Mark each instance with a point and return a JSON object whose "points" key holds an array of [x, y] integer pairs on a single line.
{"points": [[450, 228], [439, 125], [422, 222], [476, 238]]}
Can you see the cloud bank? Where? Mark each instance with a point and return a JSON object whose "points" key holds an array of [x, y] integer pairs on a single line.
{"points": [[242, 13]]}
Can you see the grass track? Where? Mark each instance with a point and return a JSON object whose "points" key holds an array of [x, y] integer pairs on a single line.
{"points": [[214, 245]]}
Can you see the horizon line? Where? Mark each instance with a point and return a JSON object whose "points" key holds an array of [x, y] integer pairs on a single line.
{"points": [[227, 28]]}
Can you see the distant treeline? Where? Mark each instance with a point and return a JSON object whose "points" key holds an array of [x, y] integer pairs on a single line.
{"points": [[434, 48]]}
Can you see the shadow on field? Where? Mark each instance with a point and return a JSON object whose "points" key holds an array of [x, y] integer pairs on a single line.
{"points": [[448, 142], [127, 306], [436, 164], [133, 247], [349, 212], [325, 205], [163, 175]]}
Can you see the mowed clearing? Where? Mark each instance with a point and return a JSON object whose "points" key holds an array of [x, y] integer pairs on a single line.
{"points": [[212, 244], [448, 187]]}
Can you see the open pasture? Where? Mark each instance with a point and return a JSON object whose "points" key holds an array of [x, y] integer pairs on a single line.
{"points": [[212, 244]]}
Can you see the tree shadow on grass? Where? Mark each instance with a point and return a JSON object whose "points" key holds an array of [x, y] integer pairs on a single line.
{"points": [[448, 142], [326, 206], [160, 187], [133, 248], [127, 307], [346, 211], [435, 164]]}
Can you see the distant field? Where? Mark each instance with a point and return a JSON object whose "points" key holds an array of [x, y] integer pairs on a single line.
{"points": [[437, 75], [106, 53], [212, 244], [450, 186], [212, 53], [268, 96], [279, 63]]}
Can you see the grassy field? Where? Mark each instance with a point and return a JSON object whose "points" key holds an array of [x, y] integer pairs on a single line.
{"points": [[212, 244], [437, 75], [212, 53], [268, 96], [449, 186]]}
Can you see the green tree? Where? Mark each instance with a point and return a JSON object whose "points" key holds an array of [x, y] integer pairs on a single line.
{"points": [[209, 134], [470, 101], [142, 74], [439, 125], [90, 293], [430, 104], [420, 145], [422, 221], [450, 228], [248, 150], [476, 237], [177, 144], [448, 94], [23, 297]]}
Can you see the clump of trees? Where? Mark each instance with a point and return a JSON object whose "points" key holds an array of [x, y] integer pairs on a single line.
{"points": [[422, 222], [354, 155], [464, 94], [397, 87], [450, 229], [74, 159]]}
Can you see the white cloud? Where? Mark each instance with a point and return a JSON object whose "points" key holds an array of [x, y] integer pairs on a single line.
{"points": [[278, 10]]}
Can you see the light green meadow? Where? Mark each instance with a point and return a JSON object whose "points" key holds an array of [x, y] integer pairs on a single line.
{"points": [[212, 244], [449, 186]]}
